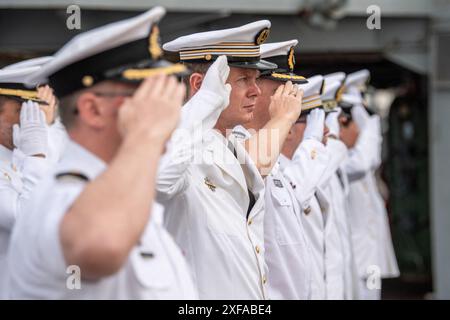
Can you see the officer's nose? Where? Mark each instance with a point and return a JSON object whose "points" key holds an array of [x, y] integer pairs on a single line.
{"points": [[254, 90]]}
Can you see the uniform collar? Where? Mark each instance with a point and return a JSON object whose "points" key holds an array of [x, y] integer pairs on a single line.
{"points": [[283, 161], [78, 159], [5, 154]]}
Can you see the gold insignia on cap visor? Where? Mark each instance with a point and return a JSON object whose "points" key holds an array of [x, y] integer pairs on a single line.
{"points": [[23, 94], [138, 74], [262, 36], [291, 59], [286, 76], [153, 43]]}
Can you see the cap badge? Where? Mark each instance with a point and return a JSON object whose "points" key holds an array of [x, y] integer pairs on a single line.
{"points": [[154, 47], [291, 59], [262, 36]]}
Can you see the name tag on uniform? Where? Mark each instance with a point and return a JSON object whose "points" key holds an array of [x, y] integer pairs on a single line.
{"points": [[278, 183], [147, 254]]}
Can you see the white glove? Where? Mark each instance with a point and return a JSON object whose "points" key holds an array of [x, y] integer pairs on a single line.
{"points": [[215, 80], [32, 136], [361, 116], [315, 123], [332, 122], [205, 107]]}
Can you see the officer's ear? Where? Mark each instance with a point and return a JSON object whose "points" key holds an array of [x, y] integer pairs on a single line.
{"points": [[195, 82], [89, 110]]}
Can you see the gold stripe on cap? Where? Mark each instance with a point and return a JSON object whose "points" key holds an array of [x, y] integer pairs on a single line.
{"points": [[236, 44], [311, 98], [208, 56], [286, 76], [24, 94], [221, 50], [137, 74], [312, 104]]}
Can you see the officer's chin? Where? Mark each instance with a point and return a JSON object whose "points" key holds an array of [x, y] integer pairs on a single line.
{"points": [[246, 118]]}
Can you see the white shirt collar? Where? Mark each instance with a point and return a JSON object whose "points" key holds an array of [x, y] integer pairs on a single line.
{"points": [[5, 154], [76, 158], [283, 161]]}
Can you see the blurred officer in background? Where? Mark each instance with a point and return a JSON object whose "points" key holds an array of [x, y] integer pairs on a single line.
{"points": [[95, 213]]}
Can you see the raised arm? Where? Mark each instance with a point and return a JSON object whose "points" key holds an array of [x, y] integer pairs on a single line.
{"points": [[265, 146], [29, 163], [108, 218], [199, 114]]}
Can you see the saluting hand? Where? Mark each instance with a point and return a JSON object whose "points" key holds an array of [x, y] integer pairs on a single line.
{"points": [[45, 93], [286, 102], [154, 109]]}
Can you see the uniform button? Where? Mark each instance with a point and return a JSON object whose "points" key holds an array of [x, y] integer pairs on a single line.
{"points": [[307, 210], [250, 222], [257, 249], [264, 279]]}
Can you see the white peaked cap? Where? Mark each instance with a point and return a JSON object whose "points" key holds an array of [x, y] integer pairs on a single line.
{"points": [[35, 62], [277, 48]]}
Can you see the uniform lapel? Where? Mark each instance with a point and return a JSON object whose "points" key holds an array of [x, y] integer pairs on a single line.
{"points": [[222, 156], [322, 199], [255, 182]]}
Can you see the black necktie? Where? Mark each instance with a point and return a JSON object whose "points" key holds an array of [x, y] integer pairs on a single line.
{"points": [[251, 196]]}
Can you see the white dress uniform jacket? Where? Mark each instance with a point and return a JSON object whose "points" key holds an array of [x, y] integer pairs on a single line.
{"points": [[338, 256], [155, 268], [363, 215], [288, 254], [388, 261], [19, 176], [206, 194], [372, 244], [305, 172]]}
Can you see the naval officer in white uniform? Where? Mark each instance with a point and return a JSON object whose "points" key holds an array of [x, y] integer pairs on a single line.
{"points": [[93, 230], [215, 204], [287, 251]]}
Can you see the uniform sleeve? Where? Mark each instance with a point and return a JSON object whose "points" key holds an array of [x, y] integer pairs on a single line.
{"points": [[9, 200], [199, 114], [48, 240], [13, 198], [361, 156], [338, 153], [35, 256], [376, 129], [306, 169], [57, 140]]}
